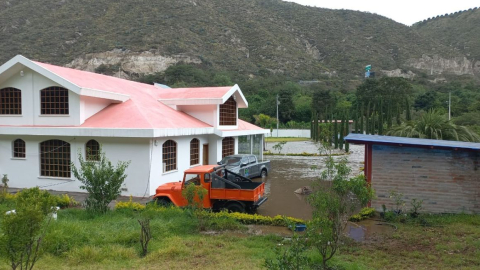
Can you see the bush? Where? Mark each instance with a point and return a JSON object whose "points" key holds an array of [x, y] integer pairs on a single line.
{"points": [[65, 201], [101, 180], [24, 230], [129, 205], [253, 219], [364, 213]]}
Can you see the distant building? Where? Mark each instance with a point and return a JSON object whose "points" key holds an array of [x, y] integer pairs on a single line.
{"points": [[445, 174]]}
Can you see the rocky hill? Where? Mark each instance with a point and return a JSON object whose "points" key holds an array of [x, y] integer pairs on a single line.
{"points": [[244, 36], [458, 30]]}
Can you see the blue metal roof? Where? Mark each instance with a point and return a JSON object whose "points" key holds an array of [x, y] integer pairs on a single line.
{"points": [[414, 142]]}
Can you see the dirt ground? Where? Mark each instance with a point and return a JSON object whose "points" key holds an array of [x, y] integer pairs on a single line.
{"points": [[287, 175]]}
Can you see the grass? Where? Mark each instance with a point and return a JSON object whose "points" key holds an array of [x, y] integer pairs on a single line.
{"points": [[78, 240], [286, 139], [450, 242]]}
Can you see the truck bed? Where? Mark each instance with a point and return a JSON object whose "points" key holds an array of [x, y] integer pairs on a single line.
{"points": [[249, 191]]}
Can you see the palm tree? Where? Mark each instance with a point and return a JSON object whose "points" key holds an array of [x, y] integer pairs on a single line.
{"points": [[433, 125]]}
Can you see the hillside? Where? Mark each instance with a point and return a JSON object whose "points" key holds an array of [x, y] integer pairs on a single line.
{"points": [[247, 36], [457, 30]]}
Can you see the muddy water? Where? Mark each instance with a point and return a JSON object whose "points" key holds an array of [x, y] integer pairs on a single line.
{"points": [[368, 230], [287, 176], [292, 172]]}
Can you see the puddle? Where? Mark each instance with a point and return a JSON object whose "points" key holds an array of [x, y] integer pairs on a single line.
{"points": [[368, 230], [290, 173]]}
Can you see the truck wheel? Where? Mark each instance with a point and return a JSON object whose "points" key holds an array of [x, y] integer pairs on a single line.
{"points": [[264, 173], [234, 207]]}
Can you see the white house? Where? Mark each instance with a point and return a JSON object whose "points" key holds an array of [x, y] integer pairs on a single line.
{"points": [[50, 114]]}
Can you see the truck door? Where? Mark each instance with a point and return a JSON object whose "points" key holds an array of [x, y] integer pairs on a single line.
{"points": [[253, 167], [245, 167]]}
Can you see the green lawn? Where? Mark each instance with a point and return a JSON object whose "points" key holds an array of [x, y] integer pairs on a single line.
{"points": [[78, 240]]}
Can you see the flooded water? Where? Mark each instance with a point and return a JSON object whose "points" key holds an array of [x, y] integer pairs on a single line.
{"points": [[290, 173], [368, 230]]}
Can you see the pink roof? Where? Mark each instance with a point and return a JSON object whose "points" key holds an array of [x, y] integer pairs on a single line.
{"points": [[243, 125], [194, 92], [142, 110]]}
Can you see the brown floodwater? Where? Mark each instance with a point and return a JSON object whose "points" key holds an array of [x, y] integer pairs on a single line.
{"points": [[288, 174]]}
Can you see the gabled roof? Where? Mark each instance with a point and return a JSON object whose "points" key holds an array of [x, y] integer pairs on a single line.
{"points": [[411, 142], [202, 96], [134, 105]]}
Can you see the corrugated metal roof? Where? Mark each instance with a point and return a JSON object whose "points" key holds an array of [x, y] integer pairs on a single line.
{"points": [[414, 142]]}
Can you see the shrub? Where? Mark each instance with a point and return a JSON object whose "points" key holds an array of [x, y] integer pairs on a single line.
{"points": [[101, 180], [65, 201], [253, 219], [24, 230], [364, 213], [129, 205]]}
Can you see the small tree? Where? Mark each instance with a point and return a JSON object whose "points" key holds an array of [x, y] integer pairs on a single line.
{"points": [[279, 146], [194, 195], [334, 200], [24, 230], [101, 180]]}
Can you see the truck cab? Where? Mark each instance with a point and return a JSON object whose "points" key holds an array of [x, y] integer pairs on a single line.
{"points": [[234, 196]]}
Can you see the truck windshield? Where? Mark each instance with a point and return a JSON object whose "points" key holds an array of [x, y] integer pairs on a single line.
{"points": [[231, 161]]}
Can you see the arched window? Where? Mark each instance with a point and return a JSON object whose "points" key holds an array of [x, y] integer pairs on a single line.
{"points": [[55, 158], [10, 101], [228, 146], [194, 151], [169, 156], [19, 148], [228, 112], [54, 100], [92, 150]]}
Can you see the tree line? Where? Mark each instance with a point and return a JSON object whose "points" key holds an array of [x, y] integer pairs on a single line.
{"points": [[387, 105]]}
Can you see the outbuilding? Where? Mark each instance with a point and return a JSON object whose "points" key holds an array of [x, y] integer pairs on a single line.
{"points": [[444, 174]]}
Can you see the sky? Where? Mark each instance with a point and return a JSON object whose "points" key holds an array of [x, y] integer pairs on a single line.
{"points": [[407, 12]]}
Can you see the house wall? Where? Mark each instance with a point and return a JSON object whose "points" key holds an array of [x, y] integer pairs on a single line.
{"points": [[25, 173], [90, 106], [158, 177], [30, 84], [80, 107], [205, 113], [448, 181]]}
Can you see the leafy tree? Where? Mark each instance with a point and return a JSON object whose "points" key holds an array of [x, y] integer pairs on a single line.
{"points": [[323, 102], [188, 74], [427, 101], [24, 230], [387, 97], [265, 121], [433, 125], [101, 180], [286, 109], [334, 200], [222, 80], [468, 119]]}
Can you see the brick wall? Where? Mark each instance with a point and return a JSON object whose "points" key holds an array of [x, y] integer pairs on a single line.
{"points": [[447, 180]]}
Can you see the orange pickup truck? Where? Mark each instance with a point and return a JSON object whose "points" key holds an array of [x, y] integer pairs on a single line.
{"points": [[234, 196]]}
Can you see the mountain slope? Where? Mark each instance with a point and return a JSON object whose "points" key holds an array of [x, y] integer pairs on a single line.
{"points": [[245, 36], [458, 30]]}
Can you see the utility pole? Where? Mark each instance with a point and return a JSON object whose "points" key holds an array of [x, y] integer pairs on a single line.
{"points": [[278, 103], [449, 105]]}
